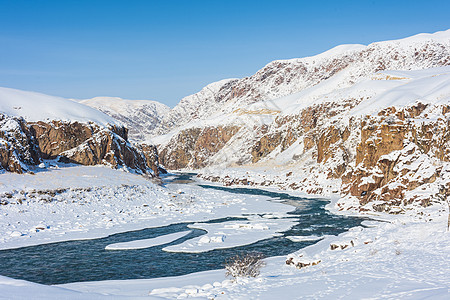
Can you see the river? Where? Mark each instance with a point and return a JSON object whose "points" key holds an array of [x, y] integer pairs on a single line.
{"points": [[87, 260]]}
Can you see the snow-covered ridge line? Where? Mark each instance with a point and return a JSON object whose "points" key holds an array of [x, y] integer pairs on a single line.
{"points": [[339, 67], [34, 107], [34, 126]]}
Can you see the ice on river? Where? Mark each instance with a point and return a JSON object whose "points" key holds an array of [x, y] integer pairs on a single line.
{"points": [[147, 243], [79, 202], [233, 234], [308, 238]]}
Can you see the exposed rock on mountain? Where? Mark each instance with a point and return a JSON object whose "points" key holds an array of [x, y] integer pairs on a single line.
{"points": [[197, 106], [140, 116], [401, 150], [88, 144], [17, 145], [192, 147], [150, 153]]}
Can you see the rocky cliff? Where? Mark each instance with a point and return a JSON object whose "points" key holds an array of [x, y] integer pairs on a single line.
{"points": [[26, 144], [18, 146]]}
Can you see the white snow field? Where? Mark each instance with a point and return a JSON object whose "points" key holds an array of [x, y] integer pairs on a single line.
{"points": [[147, 243]]}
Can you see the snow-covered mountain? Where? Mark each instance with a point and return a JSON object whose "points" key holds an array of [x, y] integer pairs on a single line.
{"points": [[370, 122], [35, 126], [140, 116], [341, 67]]}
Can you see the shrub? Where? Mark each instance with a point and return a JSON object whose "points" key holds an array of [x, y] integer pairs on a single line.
{"points": [[245, 265]]}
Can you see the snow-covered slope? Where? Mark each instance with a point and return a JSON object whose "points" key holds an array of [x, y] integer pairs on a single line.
{"points": [[34, 107], [140, 116], [200, 105], [341, 67]]}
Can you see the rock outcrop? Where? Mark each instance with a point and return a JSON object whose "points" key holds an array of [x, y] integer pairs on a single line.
{"points": [[18, 147], [26, 144], [400, 152], [192, 147]]}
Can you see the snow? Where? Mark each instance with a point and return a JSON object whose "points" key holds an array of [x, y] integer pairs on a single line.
{"points": [[232, 234], [21, 289], [429, 86], [441, 36], [124, 106], [147, 243], [304, 238], [190, 107], [335, 51], [34, 106], [161, 288]]}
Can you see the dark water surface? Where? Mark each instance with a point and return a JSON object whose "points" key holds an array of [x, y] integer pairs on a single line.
{"points": [[87, 260]]}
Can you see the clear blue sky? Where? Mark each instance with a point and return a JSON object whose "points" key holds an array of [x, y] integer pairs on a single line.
{"points": [[165, 50]]}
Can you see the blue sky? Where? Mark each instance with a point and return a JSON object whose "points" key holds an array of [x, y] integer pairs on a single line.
{"points": [[165, 50]]}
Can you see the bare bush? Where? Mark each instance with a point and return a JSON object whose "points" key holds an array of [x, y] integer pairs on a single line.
{"points": [[246, 265]]}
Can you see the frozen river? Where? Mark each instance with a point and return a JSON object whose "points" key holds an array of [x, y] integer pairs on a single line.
{"points": [[87, 260]]}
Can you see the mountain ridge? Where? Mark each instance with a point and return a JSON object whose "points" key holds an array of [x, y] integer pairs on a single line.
{"points": [[284, 77]]}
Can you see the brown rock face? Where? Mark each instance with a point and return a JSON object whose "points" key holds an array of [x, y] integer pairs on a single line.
{"points": [[377, 140], [58, 136], [87, 144], [265, 145], [150, 153], [397, 155], [105, 147], [192, 147], [17, 145]]}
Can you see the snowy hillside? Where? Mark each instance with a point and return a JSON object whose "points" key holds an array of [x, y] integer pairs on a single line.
{"points": [[194, 107], [140, 116], [34, 127], [368, 122], [34, 107], [341, 67]]}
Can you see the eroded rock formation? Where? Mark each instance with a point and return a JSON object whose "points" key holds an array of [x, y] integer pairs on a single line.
{"points": [[192, 147], [26, 144], [17, 145]]}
